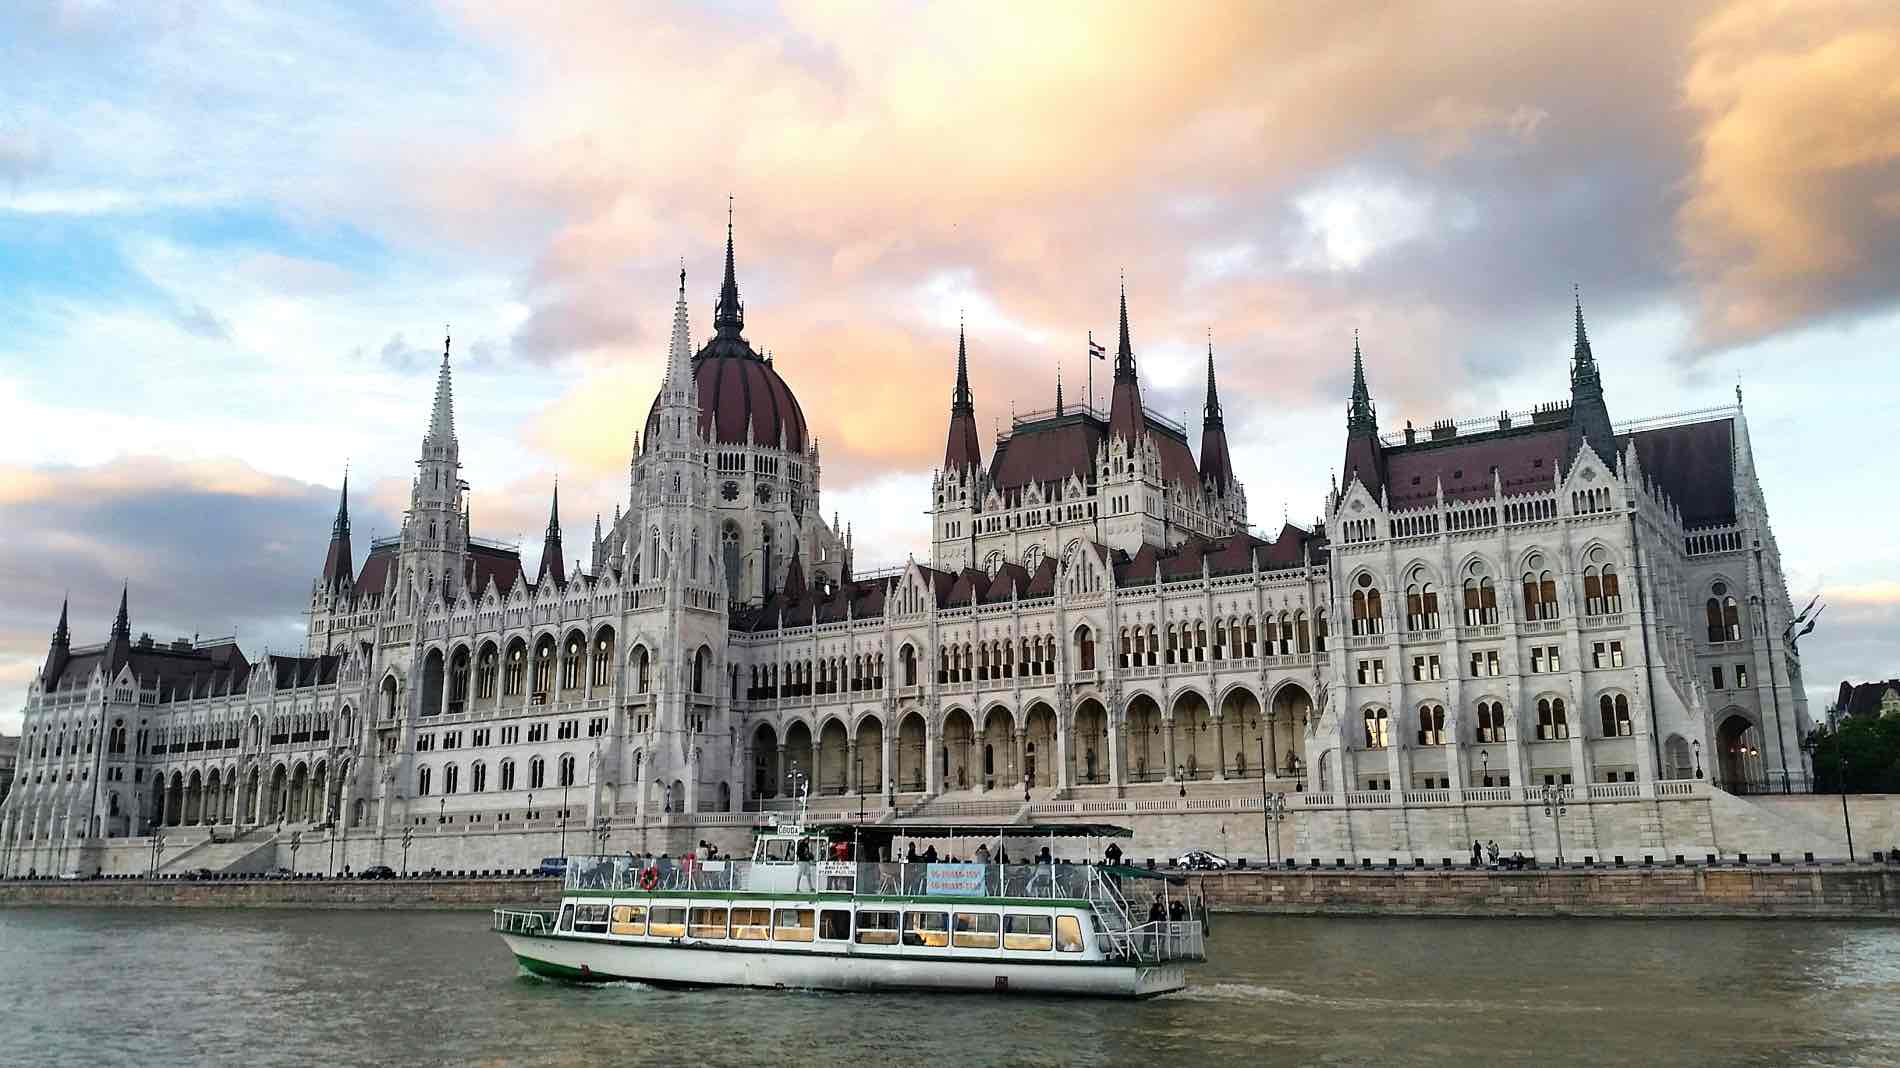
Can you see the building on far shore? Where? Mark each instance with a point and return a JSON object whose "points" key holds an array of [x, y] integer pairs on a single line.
{"points": [[9, 757], [1486, 609], [1865, 699]]}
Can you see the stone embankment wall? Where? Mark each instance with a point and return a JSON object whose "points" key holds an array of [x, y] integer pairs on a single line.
{"points": [[1861, 892], [284, 893], [1843, 891]]}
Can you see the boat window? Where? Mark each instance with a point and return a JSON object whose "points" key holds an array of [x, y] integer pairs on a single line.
{"points": [[709, 923], [1027, 932], [753, 924], [591, 919], [629, 920], [835, 924], [977, 930], [778, 850], [1068, 935], [929, 929], [792, 925], [877, 928], [567, 917], [668, 921]]}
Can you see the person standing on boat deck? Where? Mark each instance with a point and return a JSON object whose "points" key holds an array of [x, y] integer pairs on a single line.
{"points": [[983, 854], [1177, 911], [1113, 854], [930, 853], [1157, 911]]}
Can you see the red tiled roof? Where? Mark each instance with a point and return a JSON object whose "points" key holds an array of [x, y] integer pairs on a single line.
{"points": [[486, 562], [1526, 458], [375, 574]]}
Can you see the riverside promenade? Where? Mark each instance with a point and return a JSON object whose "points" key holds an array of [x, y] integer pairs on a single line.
{"points": [[1756, 890]]}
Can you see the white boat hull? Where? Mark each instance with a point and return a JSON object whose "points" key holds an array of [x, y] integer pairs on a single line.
{"points": [[606, 960]]}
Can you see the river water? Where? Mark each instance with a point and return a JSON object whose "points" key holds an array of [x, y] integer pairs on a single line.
{"points": [[164, 987]]}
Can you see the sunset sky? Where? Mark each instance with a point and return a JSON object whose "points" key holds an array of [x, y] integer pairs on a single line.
{"points": [[231, 236]]}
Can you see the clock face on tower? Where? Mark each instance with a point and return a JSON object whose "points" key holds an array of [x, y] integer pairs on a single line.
{"points": [[730, 491]]}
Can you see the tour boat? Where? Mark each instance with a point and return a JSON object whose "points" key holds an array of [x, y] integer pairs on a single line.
{"points": [[790, 919]]}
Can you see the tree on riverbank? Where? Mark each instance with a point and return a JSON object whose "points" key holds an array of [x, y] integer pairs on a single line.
{"points": [[1872, 748]]}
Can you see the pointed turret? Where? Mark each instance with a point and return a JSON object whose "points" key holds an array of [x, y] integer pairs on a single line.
{"points": [[729, 314], [1217, 466], [442, 417], [338, 564], [118, 649], [551, 563], [58, 653], [1365, 460], [960, 450], [1589, 416], [679, 351], [1125, 416]]}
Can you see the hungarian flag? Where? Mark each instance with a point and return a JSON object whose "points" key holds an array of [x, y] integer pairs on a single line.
{"points": [[1095, 350]]}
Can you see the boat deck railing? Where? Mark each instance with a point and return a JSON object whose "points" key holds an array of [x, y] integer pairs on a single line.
{"points": [[1158, 941], [1076, 882], [522, 921]]}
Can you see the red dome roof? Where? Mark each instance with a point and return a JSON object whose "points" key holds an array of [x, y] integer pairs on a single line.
{"points": [[737, 388]]}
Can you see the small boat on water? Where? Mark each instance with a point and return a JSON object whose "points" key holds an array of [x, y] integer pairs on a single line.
{"points": [[790, 918]]}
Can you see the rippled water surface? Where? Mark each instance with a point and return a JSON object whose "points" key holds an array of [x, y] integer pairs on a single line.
{"points": [[159, 987]]}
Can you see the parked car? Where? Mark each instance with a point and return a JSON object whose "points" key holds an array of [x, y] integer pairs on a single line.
{"points": [[1202, 860], [200, 873], [552, 867], [378, 871]]}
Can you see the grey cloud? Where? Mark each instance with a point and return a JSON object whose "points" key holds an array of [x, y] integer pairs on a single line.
{"points": [[21, 155], [202, 322]]}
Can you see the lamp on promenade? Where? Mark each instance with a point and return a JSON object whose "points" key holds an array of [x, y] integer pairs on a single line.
{"points": [[1275, 811], [1696, 746], [1556, 806], [408, 837], [158, 847], [1840, 774], [1180, 777]]}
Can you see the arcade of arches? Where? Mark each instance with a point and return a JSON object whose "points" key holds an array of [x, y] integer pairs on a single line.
{"points": [[995, 747]]}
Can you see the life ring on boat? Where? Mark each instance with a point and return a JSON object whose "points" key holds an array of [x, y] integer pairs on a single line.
{"points": [[649, 878]]}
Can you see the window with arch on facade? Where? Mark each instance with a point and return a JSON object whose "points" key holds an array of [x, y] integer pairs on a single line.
{"points": [[601, 672], [1540, 589], [1552, 722], [1320, 631], [1616, 716], [702, 659], [544, 667], [451, 778], [478, 778], [507, 774], [1491, 726], [537, 773], [1481, 596], [485, 669], [642, 669], [567, 769], [1368, 615], [1725, 615], [571, 663], [512, 676], [1085, 648], [1421, 602], [1431, 725], [422, 781], [907, 664], [1378, 724], [1601, 592]]}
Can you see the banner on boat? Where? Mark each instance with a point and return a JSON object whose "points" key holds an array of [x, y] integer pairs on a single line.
{"points": [[962, 879]]}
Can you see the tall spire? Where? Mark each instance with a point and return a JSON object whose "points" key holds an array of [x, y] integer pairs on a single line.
{"points": [[121, 623], [442, 418], [338, 564], [60, 652], [960, 448], [551, 564], [1058, 388], [1365, 456], [1217, 466], [679, 350], [729, 315], [1126, 418], [1589, 416], [1362, 416]]}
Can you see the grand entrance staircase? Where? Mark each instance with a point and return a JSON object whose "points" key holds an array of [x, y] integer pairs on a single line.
{"points": [[252, 850]]}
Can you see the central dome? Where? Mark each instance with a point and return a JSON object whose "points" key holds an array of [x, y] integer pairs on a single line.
{"points": [[738, 389]]}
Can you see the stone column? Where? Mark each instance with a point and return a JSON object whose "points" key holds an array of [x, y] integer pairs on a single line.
{"points": [[933, 759], [1220, 745], [886, 758]]}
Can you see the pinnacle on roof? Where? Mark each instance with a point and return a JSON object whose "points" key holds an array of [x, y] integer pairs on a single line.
{"points": [[551, 562], [442, 418], [122, 623], [729, 314], [1589, 416], [1125, 352], [341, 528], [62, 634], [1362, 416], [1210, 412], [960, 448], [1058, 388], [679, 350], [1126, 419], [337, 565]]}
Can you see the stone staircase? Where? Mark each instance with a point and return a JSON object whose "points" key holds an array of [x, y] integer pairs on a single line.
{"points": [[1760, 825], [251, 850]]}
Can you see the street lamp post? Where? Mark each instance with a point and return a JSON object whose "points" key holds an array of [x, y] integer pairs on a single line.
{"points": [[408, 837], [296, 843], [158, 847], [1696, 746], [1180, 778], [1275, 812], [1840, 774], [1556, 806], [566, 783]]}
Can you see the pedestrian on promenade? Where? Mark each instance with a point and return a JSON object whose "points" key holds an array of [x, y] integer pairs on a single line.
{"points": [[1477, 853], [1491, 848]]}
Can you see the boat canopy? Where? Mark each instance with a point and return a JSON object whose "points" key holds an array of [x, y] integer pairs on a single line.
{"points": [[884, 832]]}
